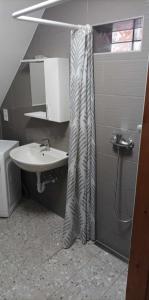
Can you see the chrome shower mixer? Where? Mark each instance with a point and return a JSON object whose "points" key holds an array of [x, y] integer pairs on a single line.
{"points": [[121, 143]]}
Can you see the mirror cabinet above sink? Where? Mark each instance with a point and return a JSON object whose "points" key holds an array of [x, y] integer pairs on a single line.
{"points": [[49, 79]]}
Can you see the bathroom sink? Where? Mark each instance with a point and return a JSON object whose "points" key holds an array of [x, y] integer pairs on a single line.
{"points": [[34, 158]]}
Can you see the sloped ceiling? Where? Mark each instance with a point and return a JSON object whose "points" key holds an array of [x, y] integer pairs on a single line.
{"points": [[15, 37]]}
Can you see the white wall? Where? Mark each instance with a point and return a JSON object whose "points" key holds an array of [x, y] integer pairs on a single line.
{"points": [[15, 37]]}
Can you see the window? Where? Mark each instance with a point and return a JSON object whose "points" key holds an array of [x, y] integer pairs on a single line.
{"points": [[122, 36]]}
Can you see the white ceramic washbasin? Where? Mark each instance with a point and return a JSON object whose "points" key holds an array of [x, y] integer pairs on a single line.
{"points": [[33, 158]]}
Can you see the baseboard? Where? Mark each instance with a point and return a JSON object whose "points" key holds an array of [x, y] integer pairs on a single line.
{"points": [[111, 251]]}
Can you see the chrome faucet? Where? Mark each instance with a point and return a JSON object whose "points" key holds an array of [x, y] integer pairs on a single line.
{"points": [[46, 144]]}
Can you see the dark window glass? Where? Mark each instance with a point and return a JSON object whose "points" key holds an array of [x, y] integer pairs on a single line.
{"points": [[123, 25], [138, 23]]}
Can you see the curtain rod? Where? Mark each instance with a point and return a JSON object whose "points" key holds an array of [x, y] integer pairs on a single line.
{"points": [[49, 22], [36, 7], [20, 15]]}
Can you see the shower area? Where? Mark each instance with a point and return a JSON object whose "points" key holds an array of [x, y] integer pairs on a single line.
{"points": [[120, 81]]}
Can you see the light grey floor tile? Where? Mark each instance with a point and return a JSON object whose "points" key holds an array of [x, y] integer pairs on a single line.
{"points": [[28, 239], [34, 265], [93, 279], [117, 291]]}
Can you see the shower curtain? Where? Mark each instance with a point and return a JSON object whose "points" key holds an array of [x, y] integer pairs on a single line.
{"points": [[80, 205]]}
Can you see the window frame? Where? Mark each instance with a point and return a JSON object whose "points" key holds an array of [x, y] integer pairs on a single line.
{"points": [[131, 41]]}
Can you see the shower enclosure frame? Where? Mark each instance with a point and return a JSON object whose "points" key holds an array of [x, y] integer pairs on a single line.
{"points": [[138, 274]]}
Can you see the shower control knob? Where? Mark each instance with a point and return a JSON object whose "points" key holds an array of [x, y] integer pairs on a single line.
{"points": [[120, 143]]}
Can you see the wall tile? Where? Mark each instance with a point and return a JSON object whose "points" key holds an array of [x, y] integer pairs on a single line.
{"points": [[109, 230], [104, 135], [123, 112], [29, 130], [126, 78]]}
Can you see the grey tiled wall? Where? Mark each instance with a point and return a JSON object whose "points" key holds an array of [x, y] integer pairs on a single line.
{"points": [[119, 92], [119, 88], [120, 81]]}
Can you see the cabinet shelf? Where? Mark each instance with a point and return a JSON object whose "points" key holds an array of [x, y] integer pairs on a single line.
{"points": [[41, 115], [37, 115], [37, 60]]}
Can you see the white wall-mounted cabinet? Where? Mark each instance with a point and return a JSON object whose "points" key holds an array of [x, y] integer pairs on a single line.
{"points": [[50, 86]]}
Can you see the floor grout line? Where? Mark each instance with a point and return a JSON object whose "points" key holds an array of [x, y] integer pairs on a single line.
{"points": [[114, 282], [81, 268]]}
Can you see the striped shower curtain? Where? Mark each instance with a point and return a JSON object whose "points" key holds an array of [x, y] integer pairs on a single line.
{"points": [[80, 205]]}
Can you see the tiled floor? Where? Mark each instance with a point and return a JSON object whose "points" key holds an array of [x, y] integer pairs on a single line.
{"points": [[34, 265]]}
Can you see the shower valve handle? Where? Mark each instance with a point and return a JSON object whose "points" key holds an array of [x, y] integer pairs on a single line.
{"points": [[120, 142]]}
